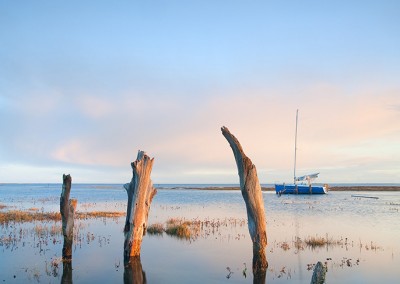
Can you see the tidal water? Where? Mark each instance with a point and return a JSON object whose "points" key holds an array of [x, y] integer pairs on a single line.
{"points": [[363, 234]]}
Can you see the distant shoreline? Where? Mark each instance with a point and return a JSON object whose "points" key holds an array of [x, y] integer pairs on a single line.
{"points": [[221, 187], [333, 188]]}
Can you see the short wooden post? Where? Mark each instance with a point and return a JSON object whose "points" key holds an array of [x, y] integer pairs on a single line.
{"points": [[140, 194], [318, 276], [252, 195], [67, 210]]}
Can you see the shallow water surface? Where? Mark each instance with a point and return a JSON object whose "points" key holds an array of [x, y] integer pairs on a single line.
{"points": [[364, 237]]}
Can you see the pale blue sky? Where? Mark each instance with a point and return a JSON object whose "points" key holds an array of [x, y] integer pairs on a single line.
{"points": [[85, 84]]}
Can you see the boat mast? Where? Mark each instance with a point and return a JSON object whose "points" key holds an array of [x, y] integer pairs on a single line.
{"points": [[295, 149]]}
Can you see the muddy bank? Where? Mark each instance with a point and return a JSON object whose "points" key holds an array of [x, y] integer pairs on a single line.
{"points": [[364, 188]]}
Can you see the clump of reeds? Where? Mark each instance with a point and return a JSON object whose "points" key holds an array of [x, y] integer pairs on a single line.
{"points": [[178, 229], [285, 246], [316, 241], [155, 229], [182, 229]]}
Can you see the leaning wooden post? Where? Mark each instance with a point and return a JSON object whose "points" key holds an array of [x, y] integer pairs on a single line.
{"points": [[67, 210], [252, 195], [140, 194]]}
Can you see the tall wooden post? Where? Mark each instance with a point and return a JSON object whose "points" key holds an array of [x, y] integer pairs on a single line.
{"points": [[67, 210], [140, 194], [252, 195]]}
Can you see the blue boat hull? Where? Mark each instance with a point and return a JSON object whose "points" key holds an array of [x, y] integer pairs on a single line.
{"points": [[299, 189]]}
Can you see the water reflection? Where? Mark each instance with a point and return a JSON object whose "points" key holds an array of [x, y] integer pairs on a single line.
{"points": [[359, 235], [67, 272], [133, 271]]}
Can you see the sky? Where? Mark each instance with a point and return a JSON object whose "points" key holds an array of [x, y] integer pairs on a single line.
{"points": [[84, 85]]}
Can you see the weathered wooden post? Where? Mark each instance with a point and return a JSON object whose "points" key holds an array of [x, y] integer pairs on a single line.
{"points": [[252, 195], [140, 194], [67, 210]]}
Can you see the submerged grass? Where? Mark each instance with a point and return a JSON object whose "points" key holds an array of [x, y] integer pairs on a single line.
{"points": [[53, 230]]}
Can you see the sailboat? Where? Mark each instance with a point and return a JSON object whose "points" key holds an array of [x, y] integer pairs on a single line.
{"points": [[305, 187]]}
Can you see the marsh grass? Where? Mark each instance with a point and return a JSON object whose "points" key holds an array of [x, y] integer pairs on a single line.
{"points": [[182, 229], [19, 216], [193, 229], [155, 229], [99, 214], [316, 241], [179, 230], [2, 206]]}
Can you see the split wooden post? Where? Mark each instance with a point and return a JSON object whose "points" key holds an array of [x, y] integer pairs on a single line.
{"points": [[140, 194], [252, 195], [67, 210]]}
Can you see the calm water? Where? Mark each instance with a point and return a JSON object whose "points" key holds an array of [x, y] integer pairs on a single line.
{"points": [[367, 230]]}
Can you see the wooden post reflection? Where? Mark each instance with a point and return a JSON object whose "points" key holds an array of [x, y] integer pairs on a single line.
{"points": [[133, 271], [260, 277], [260, 265], [67, 273]]}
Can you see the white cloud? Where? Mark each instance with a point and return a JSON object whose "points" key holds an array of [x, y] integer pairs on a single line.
{"points": [[183, 135]]}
